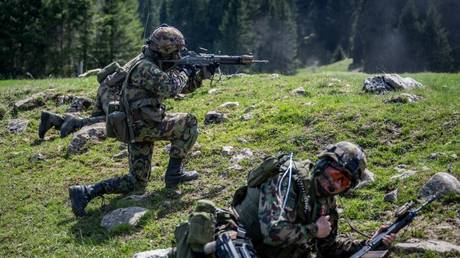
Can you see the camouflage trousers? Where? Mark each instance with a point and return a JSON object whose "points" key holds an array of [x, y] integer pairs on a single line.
{"points": [[179, 128]]}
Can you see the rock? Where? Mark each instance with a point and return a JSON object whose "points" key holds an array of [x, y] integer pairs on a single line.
{"points": [[230, 105], [79, 104], [213, 91], [246, 117], [227, 150], [17, 125], [433, 155], [299, 91], [241, 140], [249, 109], [36, 158], [139, 197], [368, 178], [244, 154], [238, 75], [441, 183], [90, 73], [389, 82], [391, 196], [274, 76], [195, 154], [236, 167], [90, 133], [31, 102], [404, 98], [121, 155], [167, 148], [63, 99], [214, 117], [403, 173], [159, 253], [130, 215], [419, 245]]}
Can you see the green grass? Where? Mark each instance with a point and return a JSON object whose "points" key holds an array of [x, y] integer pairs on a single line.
{"points": [[36, 220]]}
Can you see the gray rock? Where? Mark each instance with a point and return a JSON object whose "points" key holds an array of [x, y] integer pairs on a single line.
{"points": [[213, 91], [246, 117], [404, 98], [36, 158], [34, 101], [90, 73], [391, 196], [92, 133], [195, 154], [167, 148], [17, 125], [121, 155], [389, 82], [214, 117], [238, 75], [299, 91], [130, 215], [62, 99], [159, 253], [244, 154], [229, 105], [441, 183], [227, 150], [79, 104], [138, 197], [403, 173], [368, 178], [419, 245], [249, 109], [274, 76]]}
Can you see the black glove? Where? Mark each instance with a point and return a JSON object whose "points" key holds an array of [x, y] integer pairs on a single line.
{"points": [[190, 70]]}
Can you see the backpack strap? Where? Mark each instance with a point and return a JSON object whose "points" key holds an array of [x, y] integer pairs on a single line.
{"points": [[129, 115]]}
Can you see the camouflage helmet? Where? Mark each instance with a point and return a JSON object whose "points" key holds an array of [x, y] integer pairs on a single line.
{"points": [[349, 157], [166, 40]]}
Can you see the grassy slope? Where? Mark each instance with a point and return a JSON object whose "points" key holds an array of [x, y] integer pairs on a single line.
{"points": [[35, 218]]}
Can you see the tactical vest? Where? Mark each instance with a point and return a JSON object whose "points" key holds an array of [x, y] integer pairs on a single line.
{"points": [[246, 199]]}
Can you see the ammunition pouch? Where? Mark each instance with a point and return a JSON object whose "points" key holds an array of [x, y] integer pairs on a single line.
{"points": [[116, 124], [149, 110], [202, 225]]}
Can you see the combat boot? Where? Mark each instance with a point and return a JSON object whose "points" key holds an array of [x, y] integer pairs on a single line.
{"points": [[48, 120], [72, 124], [81, 195], [176, 174]]}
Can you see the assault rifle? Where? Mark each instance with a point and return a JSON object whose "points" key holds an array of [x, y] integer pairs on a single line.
{"points": [[404, 216]]}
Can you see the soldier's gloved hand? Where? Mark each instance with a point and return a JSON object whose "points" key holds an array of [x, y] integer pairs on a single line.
{"points": [[388, 239], [190, 70], [324, 227]]}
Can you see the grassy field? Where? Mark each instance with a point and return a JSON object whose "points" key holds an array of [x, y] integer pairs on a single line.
{"points": [[36, 220]]}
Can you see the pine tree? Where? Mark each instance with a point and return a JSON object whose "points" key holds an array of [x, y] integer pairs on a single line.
{"points": [[276, 35], [411, 29], [118, 34], [436, 43]]}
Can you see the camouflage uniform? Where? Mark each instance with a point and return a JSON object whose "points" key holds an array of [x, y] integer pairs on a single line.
{"points": [[147, 87], [291, 232]]}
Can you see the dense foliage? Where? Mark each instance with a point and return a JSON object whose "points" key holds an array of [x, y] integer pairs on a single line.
{"points": [[64, 38]]}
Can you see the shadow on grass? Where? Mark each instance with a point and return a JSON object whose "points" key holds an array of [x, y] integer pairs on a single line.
{"points": [[88, 231]]}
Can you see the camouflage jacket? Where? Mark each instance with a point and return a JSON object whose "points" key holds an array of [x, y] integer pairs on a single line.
{"points": [[290, 231], [148, 85]]}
